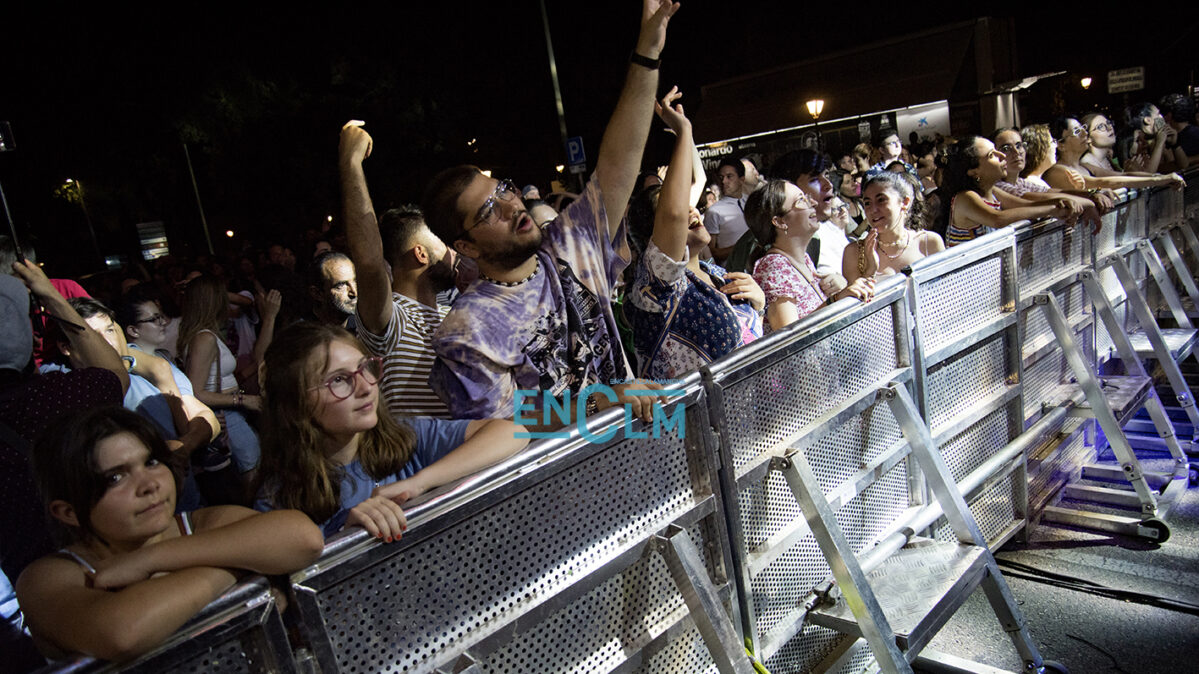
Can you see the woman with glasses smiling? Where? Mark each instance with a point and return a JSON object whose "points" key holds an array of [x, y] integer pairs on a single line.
{"points": [[329, 453]]}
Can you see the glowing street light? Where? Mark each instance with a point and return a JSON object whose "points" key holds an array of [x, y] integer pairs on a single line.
{"points": [[1086, 83], [815, 107], [229, 233]]}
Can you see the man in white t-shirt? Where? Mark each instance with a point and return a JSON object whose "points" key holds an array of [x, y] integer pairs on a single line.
{"points": [[401, 266], [725, 219]]}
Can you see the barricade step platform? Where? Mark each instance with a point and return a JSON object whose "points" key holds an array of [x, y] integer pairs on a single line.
{"points": [[1112, 406]]}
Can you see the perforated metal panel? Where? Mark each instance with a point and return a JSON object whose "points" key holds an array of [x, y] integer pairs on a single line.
{"points": [[836, 366], [233, 657], [410, 609], [994, 510], [1054, 464], [960, 301], [1037, 333], [240, 632], [970, 448], [1048, 256], [963, 380], [781, 585], [786, 396], [594, 633]]}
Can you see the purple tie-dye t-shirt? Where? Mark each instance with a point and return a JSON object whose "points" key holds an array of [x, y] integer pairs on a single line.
{"points": [[555, 332]]}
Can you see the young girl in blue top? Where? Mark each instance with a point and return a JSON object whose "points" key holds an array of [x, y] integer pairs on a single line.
{"points": [[329, 452]]}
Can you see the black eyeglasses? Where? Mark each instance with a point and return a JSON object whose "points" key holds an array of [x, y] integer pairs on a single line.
{"points": [[157, 319], [343, 384]]}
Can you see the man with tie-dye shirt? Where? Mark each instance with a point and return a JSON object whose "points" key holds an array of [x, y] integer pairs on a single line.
{"points": [[539, 317]]}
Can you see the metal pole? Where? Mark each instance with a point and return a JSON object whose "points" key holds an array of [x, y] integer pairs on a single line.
{"points": [[12, 229], [91, 230], [549, 48], [199, 204]]}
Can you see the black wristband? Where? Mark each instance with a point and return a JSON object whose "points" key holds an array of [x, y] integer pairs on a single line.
{"points": [[644, 61]]}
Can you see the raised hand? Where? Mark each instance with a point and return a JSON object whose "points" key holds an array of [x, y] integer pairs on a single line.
{"points": [[268, 304], [34, 278], [355, 144], [655, 14], [671, 113]]}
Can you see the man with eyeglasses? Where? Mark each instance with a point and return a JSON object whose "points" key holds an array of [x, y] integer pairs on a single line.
{"points": [[539, 317], [891, 148]]}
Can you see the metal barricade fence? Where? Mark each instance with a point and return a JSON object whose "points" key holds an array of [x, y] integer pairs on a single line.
{"points": [[1049, 256], [653, 553], [1191, 196], [810, 388], [238, 633], [572, 558], [1128, 225], [967, 361]]}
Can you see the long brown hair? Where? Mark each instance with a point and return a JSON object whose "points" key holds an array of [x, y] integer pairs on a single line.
{"points": [[205, 307], [294, 468]]}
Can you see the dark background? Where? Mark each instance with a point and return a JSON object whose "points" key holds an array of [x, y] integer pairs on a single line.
{"points": [[109, 98]]}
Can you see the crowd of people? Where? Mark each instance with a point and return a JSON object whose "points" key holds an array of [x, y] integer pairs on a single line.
{"points": [[207, 418]]}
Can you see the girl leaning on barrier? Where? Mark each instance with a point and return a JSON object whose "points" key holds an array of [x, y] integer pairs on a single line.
{"points": [[972, 168], [328, 452], [1069, 173], [896, 238], [134, 571]]}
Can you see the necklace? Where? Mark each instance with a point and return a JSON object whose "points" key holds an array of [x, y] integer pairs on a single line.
{"points": [[907, 239], [513, 284]]}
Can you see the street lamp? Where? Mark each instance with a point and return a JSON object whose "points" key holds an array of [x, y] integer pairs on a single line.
{"points": [[1086, 83], [815, 107]]}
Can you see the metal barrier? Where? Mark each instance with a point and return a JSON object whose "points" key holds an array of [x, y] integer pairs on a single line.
{"points": [[240, 632], [1050, 255], [575, 557], [810, 388], [659, 554], [967, 361]]}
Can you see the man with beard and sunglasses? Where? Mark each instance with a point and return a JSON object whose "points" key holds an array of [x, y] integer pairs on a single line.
{"points": [[401, 266], [539, 318]]}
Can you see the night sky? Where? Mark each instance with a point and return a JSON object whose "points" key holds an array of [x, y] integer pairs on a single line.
{"points": [[109, 98]]}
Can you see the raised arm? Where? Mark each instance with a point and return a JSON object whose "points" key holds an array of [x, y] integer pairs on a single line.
{"points": [[88, 347], [362, 230], [674, 209], [620, 150]]}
